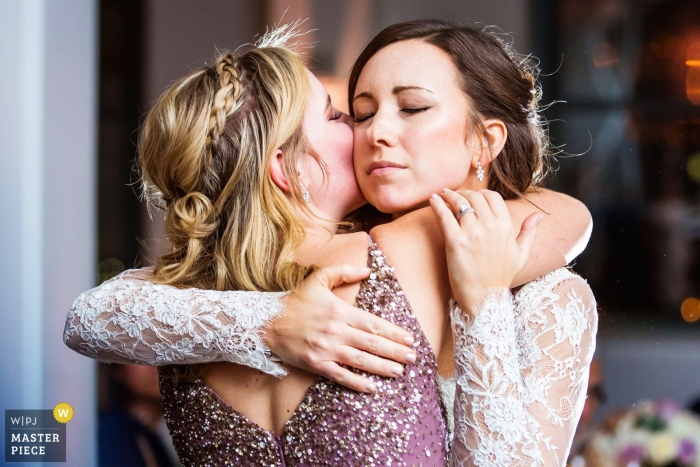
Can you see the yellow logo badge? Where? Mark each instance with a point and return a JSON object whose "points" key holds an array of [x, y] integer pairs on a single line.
{"points": [[63, 412]]}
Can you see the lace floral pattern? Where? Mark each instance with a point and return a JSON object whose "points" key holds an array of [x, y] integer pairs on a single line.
{"points": [[521, 365], [130, 320], [521, 373]]}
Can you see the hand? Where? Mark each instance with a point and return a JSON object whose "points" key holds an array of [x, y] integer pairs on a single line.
{"points": [[482, 249], [319, 330]]}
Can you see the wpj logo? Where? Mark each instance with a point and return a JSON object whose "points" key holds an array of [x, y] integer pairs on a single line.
{"points": [[36, 435]]}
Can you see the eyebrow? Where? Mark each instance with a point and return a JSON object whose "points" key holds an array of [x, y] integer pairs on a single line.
{"points": [[395, 91]]}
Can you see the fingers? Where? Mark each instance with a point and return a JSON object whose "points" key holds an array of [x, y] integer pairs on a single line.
{"points": [[345, 377], [334, 276], [481, 207], [458, 203], [448, 222], [374, 326], [454, 200], [526, 237], [365, 361], [381, 348], [496, 203], [476, 200]]}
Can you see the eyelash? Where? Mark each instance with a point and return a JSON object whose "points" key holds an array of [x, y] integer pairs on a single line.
{"points": [[336, 115], [414, 110], [408, 110]]}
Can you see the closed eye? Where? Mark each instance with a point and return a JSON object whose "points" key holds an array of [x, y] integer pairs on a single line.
{"points": [[414, 110], [407, 110], [336, 114], [362, 118]]}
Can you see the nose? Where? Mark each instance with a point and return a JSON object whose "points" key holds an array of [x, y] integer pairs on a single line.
{"points": [[381, 131]]}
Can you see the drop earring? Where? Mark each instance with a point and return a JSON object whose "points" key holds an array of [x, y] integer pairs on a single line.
{"points": [[479, 172], [305, 194]]}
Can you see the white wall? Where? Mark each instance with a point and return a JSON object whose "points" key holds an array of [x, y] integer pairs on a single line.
{"points": [[48, 52]]}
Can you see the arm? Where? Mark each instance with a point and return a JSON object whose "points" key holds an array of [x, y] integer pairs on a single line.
{"points": [[561, 236], [521, 366], [131, 320], [522, 370]]}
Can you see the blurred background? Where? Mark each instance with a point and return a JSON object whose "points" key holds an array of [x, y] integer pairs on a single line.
{"points": [[77, 77]]}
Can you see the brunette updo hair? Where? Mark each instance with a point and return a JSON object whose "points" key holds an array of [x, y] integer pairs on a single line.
{"points": [[498, 84]]}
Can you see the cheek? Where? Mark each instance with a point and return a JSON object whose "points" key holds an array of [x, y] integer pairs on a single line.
{"points": [[343, 144], [336, 153], [360, 150], [439, 152]]}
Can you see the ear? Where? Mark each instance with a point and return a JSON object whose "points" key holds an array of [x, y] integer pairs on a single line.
{"points": [[492, 141], [277, 171]]}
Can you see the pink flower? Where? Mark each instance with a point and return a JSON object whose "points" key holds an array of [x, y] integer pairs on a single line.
{"points": [[631, 453], [686, 451], [666, 408]]}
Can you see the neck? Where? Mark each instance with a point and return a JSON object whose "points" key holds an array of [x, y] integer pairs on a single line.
{"points": [[396, 215], [471, 184], [318, 222], [320, 230]]}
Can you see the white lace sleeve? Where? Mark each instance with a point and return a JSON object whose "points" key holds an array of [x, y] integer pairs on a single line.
{"points": [[128, 319], [521, 372]]}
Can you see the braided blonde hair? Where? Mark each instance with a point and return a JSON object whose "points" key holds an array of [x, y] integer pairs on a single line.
{"points": [[205, 150]]}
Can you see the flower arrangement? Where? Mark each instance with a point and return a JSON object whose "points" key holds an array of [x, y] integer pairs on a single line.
{"points": [[652, 434]]}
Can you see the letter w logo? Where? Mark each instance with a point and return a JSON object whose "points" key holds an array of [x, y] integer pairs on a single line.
{"points": [[63, 412]]}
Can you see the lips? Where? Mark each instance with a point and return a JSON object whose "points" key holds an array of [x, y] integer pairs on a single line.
{"points": [[384, 168]]}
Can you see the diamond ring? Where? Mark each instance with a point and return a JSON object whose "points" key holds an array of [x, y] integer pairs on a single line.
{"points": [[464, 209]]}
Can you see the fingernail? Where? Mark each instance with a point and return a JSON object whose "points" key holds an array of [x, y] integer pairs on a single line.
{"points": [[444, 190], [408, 340], [411, 358], [371, 387], [397, 370], [434, 196], [539, 218], [363, 270]]}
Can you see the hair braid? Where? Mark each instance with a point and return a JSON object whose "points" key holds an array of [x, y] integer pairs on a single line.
{"points": [[225, 99], [204, 149]]}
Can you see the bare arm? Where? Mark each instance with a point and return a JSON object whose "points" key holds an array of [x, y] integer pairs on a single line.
{"points": [[562, 234]]}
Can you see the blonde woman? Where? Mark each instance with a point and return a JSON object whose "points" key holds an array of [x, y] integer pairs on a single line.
{"points": [[251, 418]]}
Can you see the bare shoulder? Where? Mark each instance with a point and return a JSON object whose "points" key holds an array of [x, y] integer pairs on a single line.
{"points": [[550, 201], [414, 240], [414, 246], [419, 227], [561, 236], [559, 206], [348, 249]]}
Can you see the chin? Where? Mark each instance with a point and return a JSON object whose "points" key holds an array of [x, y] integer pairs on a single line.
{"points": [[396, 204]]}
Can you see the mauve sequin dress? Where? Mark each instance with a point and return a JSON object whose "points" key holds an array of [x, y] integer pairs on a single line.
{"points": [[402, 424]]}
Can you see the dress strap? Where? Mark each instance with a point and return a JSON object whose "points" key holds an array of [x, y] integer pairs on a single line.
{"points": [[369, 239]]}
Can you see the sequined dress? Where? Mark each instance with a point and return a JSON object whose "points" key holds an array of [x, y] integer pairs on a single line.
{"points": [[521, 365], [402, 424]]}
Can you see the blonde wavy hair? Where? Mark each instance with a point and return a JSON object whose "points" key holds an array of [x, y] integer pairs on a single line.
{"points": [[205, 150]]}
